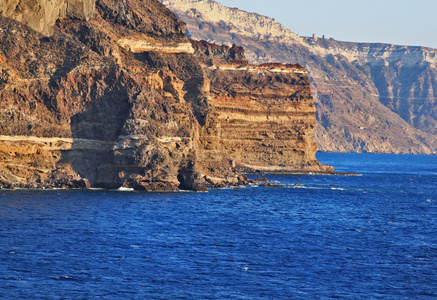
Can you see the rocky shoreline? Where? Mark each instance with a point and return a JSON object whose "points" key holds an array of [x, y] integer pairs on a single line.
{"points": [[243, 180]]}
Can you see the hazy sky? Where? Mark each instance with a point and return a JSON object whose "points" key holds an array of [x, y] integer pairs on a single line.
{"points": [[403, 22]]}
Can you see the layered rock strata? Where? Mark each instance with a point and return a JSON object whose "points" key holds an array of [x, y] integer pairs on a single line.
{"points": [[120, 99], [370, 97], [267, 110]]}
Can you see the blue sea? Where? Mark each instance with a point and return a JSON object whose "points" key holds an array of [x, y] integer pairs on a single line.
{"points": [[318, 237]]}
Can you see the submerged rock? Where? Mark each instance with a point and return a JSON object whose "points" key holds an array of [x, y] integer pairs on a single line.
{"points": [[271, 185]]}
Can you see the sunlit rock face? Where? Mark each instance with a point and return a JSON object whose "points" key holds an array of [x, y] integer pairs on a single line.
{"points": [[41, 15], [120, 97], [369, 97]]}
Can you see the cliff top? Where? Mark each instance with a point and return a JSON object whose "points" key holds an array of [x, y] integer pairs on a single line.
{"points": [[127, 17], [234, 20], [41, 15]]}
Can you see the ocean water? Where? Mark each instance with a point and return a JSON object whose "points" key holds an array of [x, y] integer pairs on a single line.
{"points": [[319, 237]]}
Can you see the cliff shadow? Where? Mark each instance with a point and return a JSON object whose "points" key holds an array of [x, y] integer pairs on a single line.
{"points": [[95, 130], [196, 97]]}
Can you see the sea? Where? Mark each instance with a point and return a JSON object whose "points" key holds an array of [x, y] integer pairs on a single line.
{"points": [[372, 236]]}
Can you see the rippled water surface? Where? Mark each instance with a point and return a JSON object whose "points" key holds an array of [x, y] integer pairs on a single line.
{"points": [[358, 237]]}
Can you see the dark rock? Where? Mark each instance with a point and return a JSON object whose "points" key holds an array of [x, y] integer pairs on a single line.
{"points": [[271, 185], [261, 179], [192, 181], [82, 183], [154, 187], [214, 54], [242, 179]]}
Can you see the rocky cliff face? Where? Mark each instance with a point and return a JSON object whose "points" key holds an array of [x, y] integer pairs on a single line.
{"points": [[369, 97], [122, 98]]}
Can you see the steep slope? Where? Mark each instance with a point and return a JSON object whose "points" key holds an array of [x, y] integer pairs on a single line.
{"points": [[122, 98], [369, 97]]}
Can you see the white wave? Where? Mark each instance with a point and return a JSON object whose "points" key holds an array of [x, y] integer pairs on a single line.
{"points": [[307, 187], [125, 189]]}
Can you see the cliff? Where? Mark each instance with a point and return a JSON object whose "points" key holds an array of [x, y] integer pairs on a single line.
{"points": [[370, 97], [263, 116], [120, 97]]}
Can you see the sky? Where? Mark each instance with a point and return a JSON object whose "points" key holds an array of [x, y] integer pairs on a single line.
{"points": [[401, 22]]}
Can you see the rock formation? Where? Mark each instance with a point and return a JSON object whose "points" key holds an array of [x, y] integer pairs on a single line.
{"points": [[369, 97], [120, 97], [41, 15]]}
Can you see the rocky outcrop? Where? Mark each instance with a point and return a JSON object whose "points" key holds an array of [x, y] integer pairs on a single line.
{"points": [[41, 15], [369, 97], [122, 100], [139, 46]]}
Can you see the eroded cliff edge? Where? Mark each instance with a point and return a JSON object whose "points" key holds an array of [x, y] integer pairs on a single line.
{"points": [[122, 98]]}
